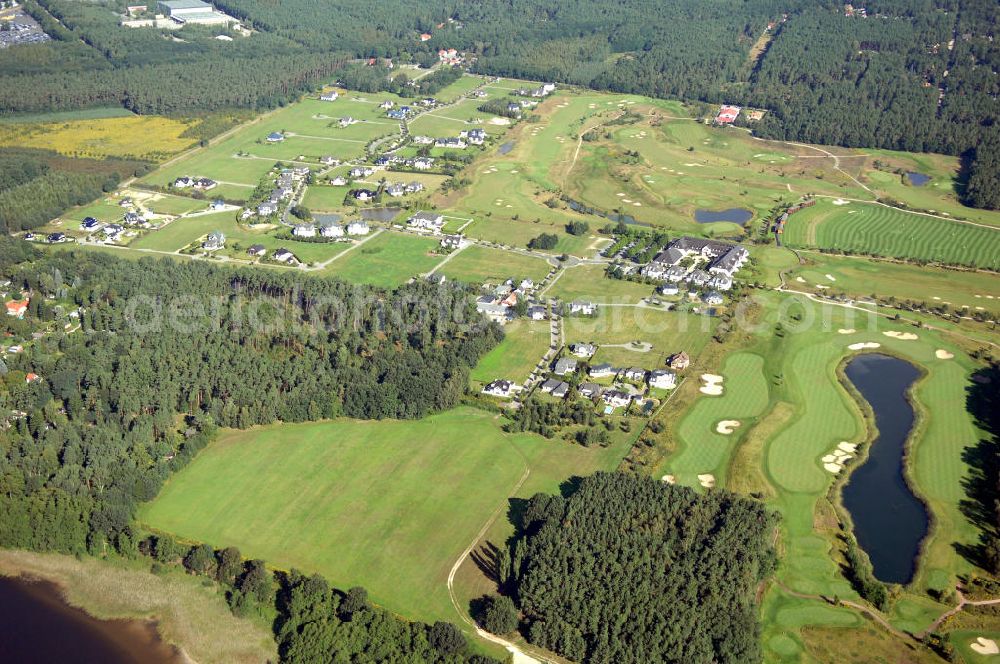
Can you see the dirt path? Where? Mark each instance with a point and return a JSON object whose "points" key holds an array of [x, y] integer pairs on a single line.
{"points": [[519, 655]]}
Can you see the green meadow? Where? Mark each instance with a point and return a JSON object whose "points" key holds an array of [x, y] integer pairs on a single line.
{"points": [[478, 264], [387, 260], [525, 342]]}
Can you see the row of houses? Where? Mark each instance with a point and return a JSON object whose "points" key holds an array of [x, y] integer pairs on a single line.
{"points": [[714, 262], [499, 302], [330, 229], [199, 183]]}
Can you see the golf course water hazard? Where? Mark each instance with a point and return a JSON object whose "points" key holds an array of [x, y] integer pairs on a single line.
{"points": [[889, 521], [917, 179], [36, 625], [735, 215]]}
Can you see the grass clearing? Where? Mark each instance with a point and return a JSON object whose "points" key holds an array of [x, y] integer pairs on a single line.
{"points": [[387, 260], [291, 494], [478, 264], [524, 344], [588, 282]]}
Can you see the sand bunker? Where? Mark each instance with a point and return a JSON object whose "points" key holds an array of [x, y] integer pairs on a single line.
{"points": [[846, 330], [500, 121], [822, 286], [840, 201], [669, 479], [712, 386], [637, 204], [850, 448], [833, 467], [831, 277], [864, 345], [942, 354], [800, 280], [902, 336], [726, 427], [835, 461], [985, 646], [707, 480]]}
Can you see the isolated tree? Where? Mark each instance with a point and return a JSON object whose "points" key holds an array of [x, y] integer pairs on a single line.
{"points": [[499, 614]]}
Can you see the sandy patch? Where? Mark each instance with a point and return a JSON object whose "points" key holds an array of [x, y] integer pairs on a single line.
{"points": [[500, 121], [936, 297], [840, 201], [864, 345], [902, 336], [707, 480], [513, 170], [831, 277], [620, 194], [985, 646], [637, 204], [846, 330], [942, 354], [850, 448], [669, 479], [822, 286], [833, 467], [726, 427], [712, 386], [800, 280]]}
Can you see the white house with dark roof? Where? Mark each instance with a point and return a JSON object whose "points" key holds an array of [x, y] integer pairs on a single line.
{"points": [[564, 366], [501, 388], [215, 240], [358, 228], [304, 230], [426, 220], [663, 379]]}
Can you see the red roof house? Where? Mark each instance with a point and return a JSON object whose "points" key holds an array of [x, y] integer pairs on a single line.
{"points": [[18, 307]]}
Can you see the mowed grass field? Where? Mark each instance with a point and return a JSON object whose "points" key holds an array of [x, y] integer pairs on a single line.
{"points": [[704, 450], [668, 331], [878, 230], [141, 137], [388, 505], [588, 282], [387, 260], [524, 344], [477, 264]]}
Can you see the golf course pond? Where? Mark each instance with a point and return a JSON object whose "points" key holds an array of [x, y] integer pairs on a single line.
{"points": [[734, 215], [506, 147], [617, 217], [889, 520], [380, 214], [917, 179], [37, 625]]}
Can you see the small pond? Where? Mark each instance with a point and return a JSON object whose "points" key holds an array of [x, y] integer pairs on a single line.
{"points": [[889, 521], [506, 147], [734, 215], [327, 218], [616, 217], [917, 179], [36, 625], [380, 214]]}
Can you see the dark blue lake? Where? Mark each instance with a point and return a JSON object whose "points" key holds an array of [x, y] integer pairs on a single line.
{"points": [[734, 215], [917, 179], [889, 521], [506, 147]]}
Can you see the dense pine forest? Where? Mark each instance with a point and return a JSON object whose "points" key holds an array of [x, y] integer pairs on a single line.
{"points": [[630, 569], [166, 351]]}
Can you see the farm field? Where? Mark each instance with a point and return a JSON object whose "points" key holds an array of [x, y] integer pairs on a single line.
{"points": [[524, 344], [478, 264], [387, 260], [879, 230], [131, 136]]}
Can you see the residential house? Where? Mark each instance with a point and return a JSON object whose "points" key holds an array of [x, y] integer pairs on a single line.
{"points": [[451, 241], [247, 213], [423, 140], [426, 220], [424, 36], [589, 390], [333, 95], [54, 238], [360, 172], [395, 189], [564, 366], [602, 370], [275, 137], [18, 308], [339, 181], [364, 194], [669, 289], [205, 184], [550, 385], [396, 114], [31, 377], [634, 374], [387, 104], [583, 350], [329, 228], [727, 114], [514, 109], [126, 202], [133, 219], [721, 282], [500, 388], [256, 250], [215, 240], [283, 255], [663, 379], [359, 227], [526, 285], [476, 136], [267, 208], [347, 121], [414, 187], [580, 307], [304, 230], [423, 163], [183, 182], [679, 361], [698, 277], [90, 225], [451, 142], [713, 298], [537, 312], [490, 306], [217, 204], [616, 398], [327, 160]]}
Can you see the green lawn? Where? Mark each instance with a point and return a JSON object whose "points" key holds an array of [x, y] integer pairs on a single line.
{"points": [[588, 282], [524, 345], [878, 230], [388, 505], [387, 260], [478, 264]]}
